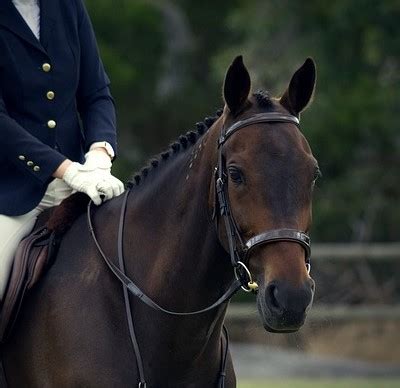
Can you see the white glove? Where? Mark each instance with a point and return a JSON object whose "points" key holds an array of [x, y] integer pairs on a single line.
{"points": [[93, 182], [97, 159]]}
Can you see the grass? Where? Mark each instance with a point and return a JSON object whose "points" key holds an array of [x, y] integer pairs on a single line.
{"points": [[320, 383]]}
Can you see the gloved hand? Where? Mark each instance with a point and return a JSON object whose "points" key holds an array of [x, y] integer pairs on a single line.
{"points": [[97, 159], [93, 182]]}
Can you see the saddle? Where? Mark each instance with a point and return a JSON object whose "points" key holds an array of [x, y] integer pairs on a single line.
{"points": [[34, 256]]}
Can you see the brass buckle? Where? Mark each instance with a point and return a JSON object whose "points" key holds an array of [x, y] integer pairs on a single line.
{"points": [[252, 286]]}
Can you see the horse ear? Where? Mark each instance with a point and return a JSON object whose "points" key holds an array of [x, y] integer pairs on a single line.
{"points": [[301, 88], [236, 86]]}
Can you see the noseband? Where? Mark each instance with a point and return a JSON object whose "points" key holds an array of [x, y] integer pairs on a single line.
{"points": [[239, 250]]}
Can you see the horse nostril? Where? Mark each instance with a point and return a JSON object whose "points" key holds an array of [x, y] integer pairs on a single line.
{"points": [[282, 298], [272, 297]]}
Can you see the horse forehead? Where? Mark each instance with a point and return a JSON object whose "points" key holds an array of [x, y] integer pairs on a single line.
{"points": [[271, 141]]}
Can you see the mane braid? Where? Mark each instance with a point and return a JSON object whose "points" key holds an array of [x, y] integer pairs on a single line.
{"points": [[183, 142], [263, 99]]}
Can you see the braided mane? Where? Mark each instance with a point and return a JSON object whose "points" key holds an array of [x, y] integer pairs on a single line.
{"points": [[183, 142], [263, 100]]}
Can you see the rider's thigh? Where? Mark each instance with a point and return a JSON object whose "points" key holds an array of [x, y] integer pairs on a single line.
{"points": [[12, 231]]}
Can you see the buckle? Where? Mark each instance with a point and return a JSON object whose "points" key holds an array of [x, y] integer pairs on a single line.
{"points": [[221, 197], [247, 286]]}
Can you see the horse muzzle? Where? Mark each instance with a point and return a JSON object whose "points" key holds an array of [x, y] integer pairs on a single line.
{"points": [[283, 307]]}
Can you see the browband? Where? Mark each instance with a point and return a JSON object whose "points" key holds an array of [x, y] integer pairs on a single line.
{"points": [[257, 119]]}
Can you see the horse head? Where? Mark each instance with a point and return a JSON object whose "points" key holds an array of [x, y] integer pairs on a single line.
{"points": [[269, 174]]}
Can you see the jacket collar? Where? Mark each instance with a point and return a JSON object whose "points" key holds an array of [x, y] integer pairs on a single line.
{"points": [[12, 20]]}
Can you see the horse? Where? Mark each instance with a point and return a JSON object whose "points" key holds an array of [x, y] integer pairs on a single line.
{"points": [[225, 206]]}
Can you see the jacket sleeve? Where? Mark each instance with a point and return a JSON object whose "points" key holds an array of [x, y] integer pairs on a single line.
{"points": [[25, 151], [95, 104]]}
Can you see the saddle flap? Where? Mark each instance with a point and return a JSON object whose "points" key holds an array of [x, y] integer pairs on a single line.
{"points": [[31, 260]]}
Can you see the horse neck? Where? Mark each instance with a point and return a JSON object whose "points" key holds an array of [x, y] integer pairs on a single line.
{"points": [[171, 238]]}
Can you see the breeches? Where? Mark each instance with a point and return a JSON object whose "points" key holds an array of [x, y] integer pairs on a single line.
{"points": [[14, 229]]}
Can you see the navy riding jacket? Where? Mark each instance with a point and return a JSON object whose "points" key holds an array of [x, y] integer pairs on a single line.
{"points": [[54, 99]]}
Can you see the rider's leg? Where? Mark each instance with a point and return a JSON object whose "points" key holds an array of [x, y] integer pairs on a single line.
{"points": [[14, 229]]}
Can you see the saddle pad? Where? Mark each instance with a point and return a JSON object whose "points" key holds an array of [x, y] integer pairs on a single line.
{"points": [[32, 258]]}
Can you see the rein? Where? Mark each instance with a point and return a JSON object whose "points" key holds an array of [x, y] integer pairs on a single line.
{"points": [[239, 250], [129, 285]]}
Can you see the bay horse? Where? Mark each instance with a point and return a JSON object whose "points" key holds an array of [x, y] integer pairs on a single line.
{"points": [[233, 198]]}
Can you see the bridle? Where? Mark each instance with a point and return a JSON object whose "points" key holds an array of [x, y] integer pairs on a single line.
{"points": [[239, 250]]}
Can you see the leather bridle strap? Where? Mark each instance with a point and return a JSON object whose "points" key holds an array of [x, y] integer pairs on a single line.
{"points": [[277, 235], [136, 291], [259, 118], [132, 333], [231, 229], [224, 357]]}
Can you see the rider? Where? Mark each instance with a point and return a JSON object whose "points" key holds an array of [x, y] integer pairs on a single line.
{"points": [[57, 117]]}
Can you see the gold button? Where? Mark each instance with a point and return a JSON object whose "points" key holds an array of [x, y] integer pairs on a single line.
{"points": [[50, 95], [21, 157], [30, 163], [36, 168], [46, 67], [51, 124]]}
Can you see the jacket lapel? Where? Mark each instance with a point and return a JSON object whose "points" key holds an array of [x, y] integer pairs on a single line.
{"points": [[12, 20]]}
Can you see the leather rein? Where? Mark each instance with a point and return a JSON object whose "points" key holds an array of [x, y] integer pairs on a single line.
{"points": [[238, 250]]}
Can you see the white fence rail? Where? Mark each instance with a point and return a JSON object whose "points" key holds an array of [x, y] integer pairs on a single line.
{"points": [[355, 251]]}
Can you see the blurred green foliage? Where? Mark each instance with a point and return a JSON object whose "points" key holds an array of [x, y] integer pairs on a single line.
{"points": [[352, 124]]}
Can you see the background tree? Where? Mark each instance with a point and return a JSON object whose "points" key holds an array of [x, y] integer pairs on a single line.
{"points": [[166, 60]]}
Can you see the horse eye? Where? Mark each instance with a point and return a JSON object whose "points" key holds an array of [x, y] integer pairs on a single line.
{"points": [[236, 175]]}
